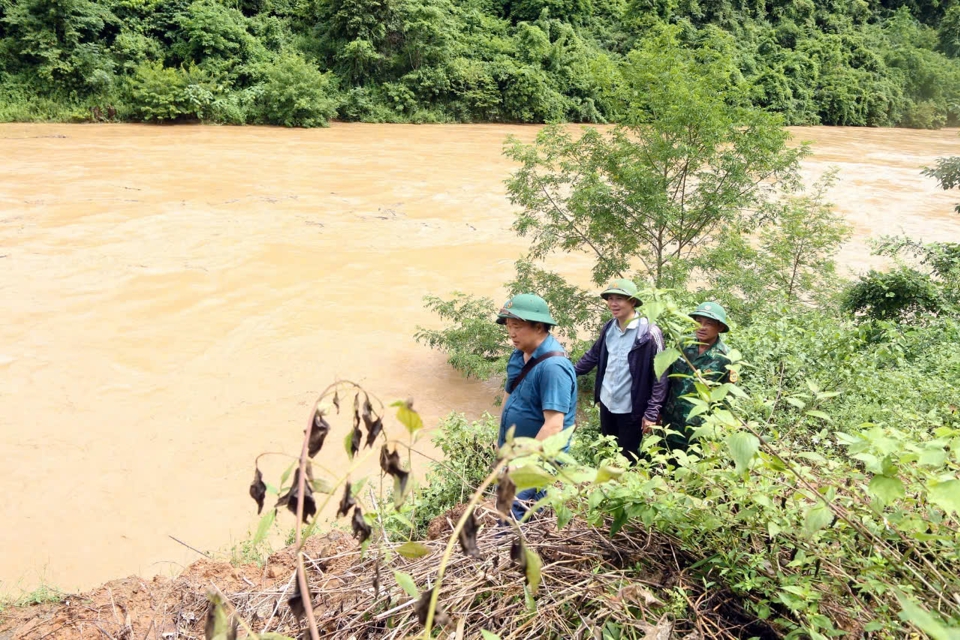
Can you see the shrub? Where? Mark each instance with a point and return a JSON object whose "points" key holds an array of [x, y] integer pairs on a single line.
{"points": [[901, 293], [296, 94], [469, 453], [158, 93]]}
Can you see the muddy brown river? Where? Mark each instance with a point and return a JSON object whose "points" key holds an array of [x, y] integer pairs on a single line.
{"points": [[175, 297]]}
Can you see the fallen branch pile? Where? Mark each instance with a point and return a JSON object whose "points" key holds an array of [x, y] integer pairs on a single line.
{"points": [[589, 580]]}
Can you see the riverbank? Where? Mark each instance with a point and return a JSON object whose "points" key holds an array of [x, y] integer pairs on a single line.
{"points": [[590, 580]]}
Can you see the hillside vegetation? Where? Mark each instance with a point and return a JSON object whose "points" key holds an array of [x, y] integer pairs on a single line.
{"points": [[303, 62]]}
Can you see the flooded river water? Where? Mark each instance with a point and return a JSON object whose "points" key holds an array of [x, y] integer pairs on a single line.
{"points": [[175, 297]]}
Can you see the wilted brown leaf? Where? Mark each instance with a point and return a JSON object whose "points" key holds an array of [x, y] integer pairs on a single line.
{"points": [[295, 602], [289, 499], [506, 492], [373, 430], [355, 437], [361, 530], [390, 463], [636, 595], [518, 554], [346, 502], [468, 536], [440, 617], [258, 490], [318, 433], [376, 581]]}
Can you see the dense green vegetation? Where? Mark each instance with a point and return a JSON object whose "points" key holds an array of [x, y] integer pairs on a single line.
{"points": [[824, 490], [824, 487], [302, 62]]}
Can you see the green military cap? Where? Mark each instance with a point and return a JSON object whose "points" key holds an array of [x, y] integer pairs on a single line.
{"points": [[714, 311], [622, 287], [526, 306]]}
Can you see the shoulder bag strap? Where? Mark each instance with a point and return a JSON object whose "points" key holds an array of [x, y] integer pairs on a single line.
{"points": [[530, 365]]}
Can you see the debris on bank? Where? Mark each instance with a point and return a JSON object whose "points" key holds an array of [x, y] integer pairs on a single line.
{"points": [[635, 582]]}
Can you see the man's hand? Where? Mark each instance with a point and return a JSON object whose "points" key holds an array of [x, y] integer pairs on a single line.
{"points": [[552, 424], [645, 425]]}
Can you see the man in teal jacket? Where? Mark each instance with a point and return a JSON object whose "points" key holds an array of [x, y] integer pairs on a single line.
{"points": [[541, 384]]}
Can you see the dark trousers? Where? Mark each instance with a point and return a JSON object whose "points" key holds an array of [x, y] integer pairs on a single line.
{"points": [[625, 428]]}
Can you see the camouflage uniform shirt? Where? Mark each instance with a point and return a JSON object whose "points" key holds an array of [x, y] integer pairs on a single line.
{"points": [[712, 366]]}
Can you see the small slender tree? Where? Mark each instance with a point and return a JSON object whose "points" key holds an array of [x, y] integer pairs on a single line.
{"points": [[691, 164], [791, 258]]}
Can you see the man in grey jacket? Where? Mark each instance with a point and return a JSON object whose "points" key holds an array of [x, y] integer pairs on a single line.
{"points": [[627, 389]]}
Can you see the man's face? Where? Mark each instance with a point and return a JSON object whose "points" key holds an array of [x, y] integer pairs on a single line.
{"points": [[524, 335], [620, 306], [708, 330]]}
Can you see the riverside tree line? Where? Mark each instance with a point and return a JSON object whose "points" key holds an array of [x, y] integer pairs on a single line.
{"points": [[303, 62]]}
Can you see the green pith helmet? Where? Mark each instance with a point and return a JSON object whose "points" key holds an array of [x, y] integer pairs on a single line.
{"points": [[526, 306], [622, 287], [714, 311]]}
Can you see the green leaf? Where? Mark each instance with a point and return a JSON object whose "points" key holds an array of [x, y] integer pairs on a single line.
{"points": [[489, 635], [946, 495], [407, 416], [533, 570], [530, 477], [818, 517], [737, 391], [719, 393], [923, 620], [264, 527], [405, 580], [398, 493], [556, 443], [402, 519], [773, 529], [218, 625], [699, 406], [619, 519], [819, 414], [870, 461], [321, 485], [886, 489], [413, 550], [742, 447], [663, 360], [286, 474], [933, 457], [652, 310], [606, 473], [799, 404]]}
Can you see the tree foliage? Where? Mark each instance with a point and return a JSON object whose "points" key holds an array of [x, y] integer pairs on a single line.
{"points": [[685, 172], [520, 61]]}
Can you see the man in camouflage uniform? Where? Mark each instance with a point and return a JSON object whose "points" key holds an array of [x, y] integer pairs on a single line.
{"points": [[708, 355]]}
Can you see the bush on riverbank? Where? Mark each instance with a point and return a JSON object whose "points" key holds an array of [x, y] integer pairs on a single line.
{"points": [[437, 61]]}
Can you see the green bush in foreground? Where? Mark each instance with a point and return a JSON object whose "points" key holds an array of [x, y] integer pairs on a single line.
{"points": [[824, 490]]}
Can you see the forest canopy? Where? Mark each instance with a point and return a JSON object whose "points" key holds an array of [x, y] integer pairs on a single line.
{"points": [[304, 62]]}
